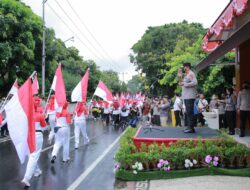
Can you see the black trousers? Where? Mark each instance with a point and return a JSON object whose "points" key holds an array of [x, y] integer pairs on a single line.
{"points": [[201, 119], [189, 104], [231, 120], [106, 118], [244, 116], [4, 128], [157, 120], [222, 121], [185, 119], [177, 117], [116, 118], [195, 118]]}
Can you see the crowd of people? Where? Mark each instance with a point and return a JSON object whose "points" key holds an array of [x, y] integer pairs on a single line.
{"points": [[188, 108]]}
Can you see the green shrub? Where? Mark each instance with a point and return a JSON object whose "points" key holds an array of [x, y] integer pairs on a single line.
{"points": [[230, 153]]}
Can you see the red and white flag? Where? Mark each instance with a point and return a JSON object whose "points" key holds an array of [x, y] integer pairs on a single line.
{"points": [[103, 92], [79, 94], [35, 86], [59, 88], [14, 88], [19, 113]]}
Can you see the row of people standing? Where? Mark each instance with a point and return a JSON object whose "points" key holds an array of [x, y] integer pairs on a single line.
{"points": [[228, 106], [117, 112]]}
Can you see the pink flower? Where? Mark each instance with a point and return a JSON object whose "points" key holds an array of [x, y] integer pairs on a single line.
{"points": [[208, 159], [215, 163], [216, 158], [166, 162], [117, 167], [159, 165], [167, 168], [161, 161]]}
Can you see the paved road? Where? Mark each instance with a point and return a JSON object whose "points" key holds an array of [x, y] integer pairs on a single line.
{"points": [[90, 167]]}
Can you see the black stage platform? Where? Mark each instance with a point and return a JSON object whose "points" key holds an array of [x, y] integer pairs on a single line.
{"points": [[169, 135]]}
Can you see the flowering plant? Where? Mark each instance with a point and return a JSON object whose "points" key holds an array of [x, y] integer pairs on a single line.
{"points": [[137, 167], [163, 165], [212, 161], [117, 167], [189, 164]]}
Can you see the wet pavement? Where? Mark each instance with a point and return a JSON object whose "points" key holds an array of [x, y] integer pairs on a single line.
{"points": [[62, 175]]}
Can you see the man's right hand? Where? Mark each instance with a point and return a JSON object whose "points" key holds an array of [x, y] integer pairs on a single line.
{"points": [[179, 74]]}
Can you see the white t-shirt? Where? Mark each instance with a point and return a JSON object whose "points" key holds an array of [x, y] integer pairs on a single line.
{"points": [[106, 110], [202, 104], [125, 114], [177, 104], [116, 112]]}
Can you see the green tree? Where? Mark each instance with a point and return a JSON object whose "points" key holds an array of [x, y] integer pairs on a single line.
{"points": [[21, 48], [19, 33], [136, 84], [212, 80], [149, 52]]}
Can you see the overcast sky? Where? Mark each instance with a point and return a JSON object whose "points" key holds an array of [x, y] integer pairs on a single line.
{"points": [[117, 24]]}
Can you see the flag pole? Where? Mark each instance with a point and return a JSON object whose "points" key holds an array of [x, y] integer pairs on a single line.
{"points": [[33, 75], [50, 91]]}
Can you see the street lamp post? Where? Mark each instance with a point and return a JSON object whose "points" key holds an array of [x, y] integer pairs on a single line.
{"points": [[70, 39], [123, 73], [43, 50]]}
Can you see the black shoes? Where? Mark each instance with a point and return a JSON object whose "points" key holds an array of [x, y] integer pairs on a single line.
{"points": [[189, 130], [53, 159]]}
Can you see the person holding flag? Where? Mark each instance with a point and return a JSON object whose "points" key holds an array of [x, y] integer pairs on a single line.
{"points": [[20, 117], [79, 94], [62, 134], [106, 113], [80, 124], [116, 113], [40, 125], [63, 120]]}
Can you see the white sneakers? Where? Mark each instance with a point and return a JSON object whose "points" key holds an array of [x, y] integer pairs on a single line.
{"points": [[67, 160], [26, 182], [38, 173], [87, 142]]}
